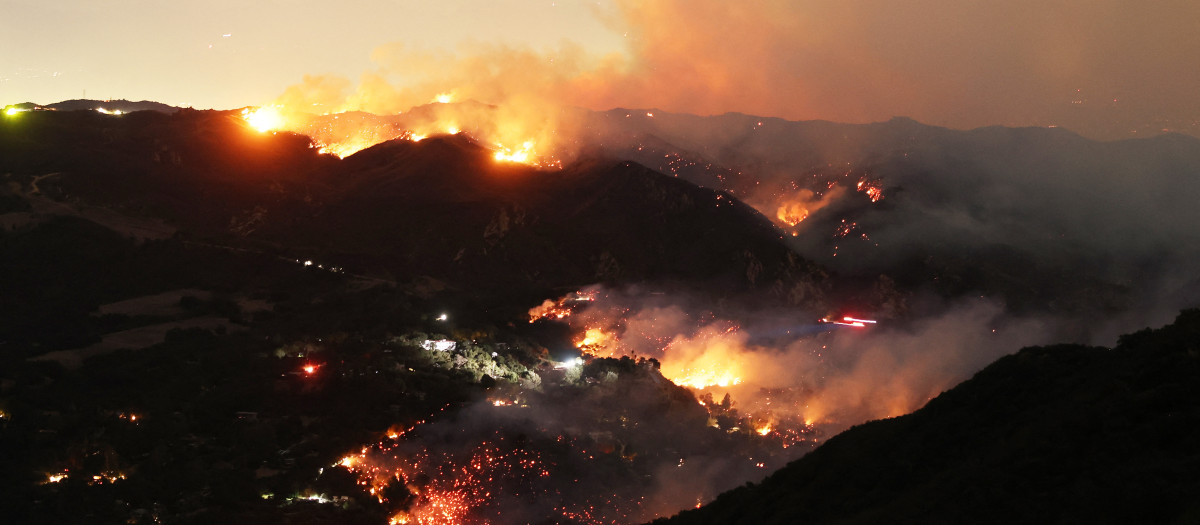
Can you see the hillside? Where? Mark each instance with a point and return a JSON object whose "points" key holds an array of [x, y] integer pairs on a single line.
{"points": [[442, 207], [438, 209], [1061, 434], [1040, 218]]}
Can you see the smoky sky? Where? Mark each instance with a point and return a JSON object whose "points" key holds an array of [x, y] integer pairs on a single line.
{"points": [[1107, 69], [1103, 68]]}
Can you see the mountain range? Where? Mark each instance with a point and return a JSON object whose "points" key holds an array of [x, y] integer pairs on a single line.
{"points": [[274, 257]]}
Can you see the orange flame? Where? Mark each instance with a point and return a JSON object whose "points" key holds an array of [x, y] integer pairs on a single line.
{"points": [[594, 341], [263, 119], [793, 209]]}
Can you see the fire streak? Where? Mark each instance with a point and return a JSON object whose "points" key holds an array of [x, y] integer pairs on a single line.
{"points": [[849, 321]]}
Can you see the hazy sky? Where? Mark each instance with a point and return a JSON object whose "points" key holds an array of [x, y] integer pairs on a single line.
{"points": [[1106, 68]]}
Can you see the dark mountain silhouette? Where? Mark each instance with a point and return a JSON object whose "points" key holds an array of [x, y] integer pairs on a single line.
{"points": [[1060, 434], [98, 209], [126, 106], [441, 208], [1041, 219], [444, 207]]}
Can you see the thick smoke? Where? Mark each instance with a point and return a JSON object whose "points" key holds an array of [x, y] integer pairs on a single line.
{"points": [[608, 442], [1041, 219], [1081, 65], [830, 375]]}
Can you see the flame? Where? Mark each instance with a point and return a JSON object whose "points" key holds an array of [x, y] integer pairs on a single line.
{"points": [[530, 132], [700, 379], [792, 209], [594, 340], [458, 482], [764, 430], [560, 309], [523, 155], [263, 119], [109, 477], [872, 188]]}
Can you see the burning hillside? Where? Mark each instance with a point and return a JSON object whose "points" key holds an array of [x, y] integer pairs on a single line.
{"points": [[513, 137], [605, 441], [829, 372]]}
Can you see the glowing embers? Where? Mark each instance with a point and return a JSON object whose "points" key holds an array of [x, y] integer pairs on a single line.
{"points": [[872, 188], [107, 477], [263, 119], [452, 484], [562, 308]]}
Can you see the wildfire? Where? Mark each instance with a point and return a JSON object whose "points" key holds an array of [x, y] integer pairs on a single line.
{"points": [[526, 154], [764, 430], [560, 309], [701, 379], [522, 155], [444, 98], [791, 214], [871, 188], [795, 208], [347, 148], [106, 477], [263, 119], [448, 487], [593, 340]]}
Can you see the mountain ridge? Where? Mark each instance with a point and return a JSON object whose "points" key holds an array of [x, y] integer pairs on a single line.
{"points": [[1057, 434]]}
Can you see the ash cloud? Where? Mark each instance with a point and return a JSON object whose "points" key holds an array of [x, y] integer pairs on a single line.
{"points": [[1107, 69], [791, 365]]}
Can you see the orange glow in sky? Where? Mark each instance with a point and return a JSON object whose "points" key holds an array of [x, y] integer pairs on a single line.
{"points": [[1104, 68]]}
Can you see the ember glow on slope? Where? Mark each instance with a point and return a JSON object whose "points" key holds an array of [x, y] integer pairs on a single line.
{"points": [[844, 369]]}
